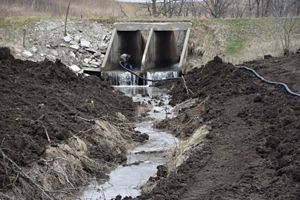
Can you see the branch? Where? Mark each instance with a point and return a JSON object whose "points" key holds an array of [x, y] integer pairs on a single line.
{"points": [[5, 196], [122, 10], [186, 88], [19, 171]]}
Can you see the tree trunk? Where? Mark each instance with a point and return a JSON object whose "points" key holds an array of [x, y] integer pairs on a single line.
{"points": [[257, 8], [154, 11]]}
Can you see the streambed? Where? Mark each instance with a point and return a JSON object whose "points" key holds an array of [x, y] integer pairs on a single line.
{"points": [[142, 161]]}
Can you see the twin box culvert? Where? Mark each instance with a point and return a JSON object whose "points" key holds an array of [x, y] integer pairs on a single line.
{"points": [[152, 46]]}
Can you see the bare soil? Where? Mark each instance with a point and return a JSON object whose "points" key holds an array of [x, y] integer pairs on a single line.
{"points": [[253, 148], [285, 69], [47, 98]]}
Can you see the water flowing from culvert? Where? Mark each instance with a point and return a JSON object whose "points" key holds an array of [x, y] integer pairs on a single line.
{"points": [[142, 161], [127, 78]]}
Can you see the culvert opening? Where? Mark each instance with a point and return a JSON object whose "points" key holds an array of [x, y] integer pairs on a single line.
{"points": [[132, 43], [165, 54]]}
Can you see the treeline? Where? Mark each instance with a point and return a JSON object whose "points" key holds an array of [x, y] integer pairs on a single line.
{"points": [[166, 8], [224, 8]]}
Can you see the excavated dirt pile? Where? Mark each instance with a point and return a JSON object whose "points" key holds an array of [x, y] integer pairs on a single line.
{"points": [[46, 98], [252, 150]]}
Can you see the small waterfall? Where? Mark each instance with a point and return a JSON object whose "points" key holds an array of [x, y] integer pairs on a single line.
{"points": [[122, 78], [127, 78], [160, 75]]}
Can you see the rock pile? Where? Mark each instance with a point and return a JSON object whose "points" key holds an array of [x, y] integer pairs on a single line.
{"points": [[84, 46]]}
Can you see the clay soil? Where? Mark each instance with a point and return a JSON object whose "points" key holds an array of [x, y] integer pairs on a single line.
{"points": [[47, 98], [253, 148]]}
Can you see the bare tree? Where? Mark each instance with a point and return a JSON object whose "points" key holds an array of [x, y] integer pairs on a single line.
{"points": [[66, 19], [282, 8], [297, 6], [154, 11], [217, 8], [122, 9], [238, 9], [287, 26]]}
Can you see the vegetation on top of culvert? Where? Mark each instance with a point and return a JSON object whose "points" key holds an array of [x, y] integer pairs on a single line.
{"points": [[234, 45], [16, 22]]}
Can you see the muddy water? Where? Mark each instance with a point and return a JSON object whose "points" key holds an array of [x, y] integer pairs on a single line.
{"points": [[142, 161]]}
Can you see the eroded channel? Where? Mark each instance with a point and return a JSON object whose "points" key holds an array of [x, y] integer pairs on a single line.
{"points": [[142, 161]]}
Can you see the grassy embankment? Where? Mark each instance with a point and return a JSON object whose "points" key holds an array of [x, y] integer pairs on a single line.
{"points": [[238, 40]]}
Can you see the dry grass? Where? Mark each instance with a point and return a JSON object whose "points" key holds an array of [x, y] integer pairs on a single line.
{"points": [[78, 9]]}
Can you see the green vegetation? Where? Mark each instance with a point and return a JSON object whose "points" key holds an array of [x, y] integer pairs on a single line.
{"points": [[15, 22], [235, 45]]}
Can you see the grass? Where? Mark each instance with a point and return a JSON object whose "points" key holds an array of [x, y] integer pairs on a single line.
{"points": [[235, 45], [15, 22]]}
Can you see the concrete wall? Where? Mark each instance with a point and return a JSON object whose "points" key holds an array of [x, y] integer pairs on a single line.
{"points": [[152, 45]]}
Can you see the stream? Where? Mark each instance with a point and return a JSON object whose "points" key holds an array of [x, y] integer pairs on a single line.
{"points": [[142, 161]]}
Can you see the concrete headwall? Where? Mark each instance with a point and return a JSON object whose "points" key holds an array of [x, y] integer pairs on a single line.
{"points": [[152, 46]]}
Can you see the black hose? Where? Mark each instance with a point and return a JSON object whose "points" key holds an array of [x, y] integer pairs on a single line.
{"points": [[268, 81], [237, 66], [146, 79]]}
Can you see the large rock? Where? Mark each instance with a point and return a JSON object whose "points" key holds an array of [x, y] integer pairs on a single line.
{"points": [[74, 46], [67, 39], [27, 54], [85, 43], [75, 68]]}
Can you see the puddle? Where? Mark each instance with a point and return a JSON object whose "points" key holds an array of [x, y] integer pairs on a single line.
{"points": [[141, 161]]}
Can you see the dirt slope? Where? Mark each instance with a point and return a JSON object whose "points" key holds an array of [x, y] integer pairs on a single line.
{"points": [[253, 148], [47, 98], [285, 69]]}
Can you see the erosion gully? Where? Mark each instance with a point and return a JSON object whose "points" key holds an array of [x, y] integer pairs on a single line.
{"points": [[142, 161]]}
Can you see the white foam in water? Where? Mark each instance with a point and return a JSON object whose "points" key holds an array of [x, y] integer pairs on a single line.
{"points": [[160, 75], [127, 78]]}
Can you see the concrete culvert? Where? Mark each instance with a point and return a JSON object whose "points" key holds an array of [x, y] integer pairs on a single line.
{"points": [[152, 46]]}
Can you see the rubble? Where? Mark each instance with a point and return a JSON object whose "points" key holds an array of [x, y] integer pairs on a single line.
{"points": [[84, 46]]}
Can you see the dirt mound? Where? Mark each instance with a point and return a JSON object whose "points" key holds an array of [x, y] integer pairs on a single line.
{"points": [[252, 150], [285, 69], [45, 103]]}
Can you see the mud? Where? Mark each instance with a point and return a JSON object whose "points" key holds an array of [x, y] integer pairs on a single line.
{"points": [[252, 148], [47, 98]]}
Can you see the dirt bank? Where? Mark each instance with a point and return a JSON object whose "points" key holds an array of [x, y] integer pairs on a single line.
{"points": [[252, 148], [47, 111], [285, 69]]}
